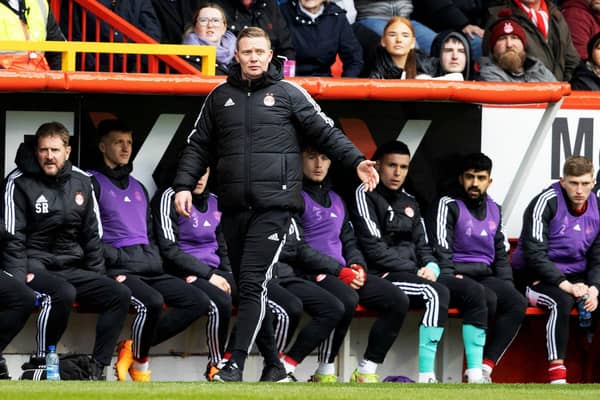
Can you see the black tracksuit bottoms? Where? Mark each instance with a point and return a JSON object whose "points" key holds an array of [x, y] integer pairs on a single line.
{"points": [[506, 311], [377, 295], [254, 241], [290, 297], [17, 301], [152, 324], [93, 292]]}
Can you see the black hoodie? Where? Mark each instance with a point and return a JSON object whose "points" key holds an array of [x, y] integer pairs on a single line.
{"points": [[436, 51]]}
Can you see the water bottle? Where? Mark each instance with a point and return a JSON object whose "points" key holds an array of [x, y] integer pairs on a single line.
{"points": [[585, 317], [52, 367]]}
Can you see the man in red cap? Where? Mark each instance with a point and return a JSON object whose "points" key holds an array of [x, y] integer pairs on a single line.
{"points": [[547, 33], [509, 61]]}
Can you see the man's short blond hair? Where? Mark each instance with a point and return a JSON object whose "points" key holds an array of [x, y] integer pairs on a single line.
{"points": [[253, 32], [577, 166]]}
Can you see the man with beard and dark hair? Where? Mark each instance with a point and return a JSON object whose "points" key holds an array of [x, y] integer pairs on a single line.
{"points": [[509, 61], [467, 237]]}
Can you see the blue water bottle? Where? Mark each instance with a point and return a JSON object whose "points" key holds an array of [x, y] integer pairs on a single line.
{"points": [[52, 365], [585, 317]]}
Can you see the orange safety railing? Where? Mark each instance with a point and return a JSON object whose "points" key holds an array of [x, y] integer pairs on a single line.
{"points": [[102, 16]]}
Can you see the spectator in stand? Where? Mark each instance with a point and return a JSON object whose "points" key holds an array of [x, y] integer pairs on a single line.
{"points": [[174, 17], [322, 22], [583, 18], [457, 15], [30, 20], [210, 29], [547, 34], [396, 57], [453, 50], [264, 14], [375, 14], [558, 255], [510, 62], [587, 74]]}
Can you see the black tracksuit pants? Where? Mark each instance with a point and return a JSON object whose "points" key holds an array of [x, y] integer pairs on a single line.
{"points": [[254, 240], [219, 315], [506, 310], [325, 309], [93, 292], [468, 295], [378, 295], [560, 304], [423, 293], [17, 301], [153, 325]]}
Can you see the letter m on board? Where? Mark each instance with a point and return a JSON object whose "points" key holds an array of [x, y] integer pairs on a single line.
{"points": [[560, 136]]}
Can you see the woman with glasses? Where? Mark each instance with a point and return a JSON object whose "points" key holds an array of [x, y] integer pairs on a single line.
{"points": [[210, 29]]}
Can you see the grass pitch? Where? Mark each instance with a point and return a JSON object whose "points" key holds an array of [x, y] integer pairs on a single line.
{"points": [[304, 391]]}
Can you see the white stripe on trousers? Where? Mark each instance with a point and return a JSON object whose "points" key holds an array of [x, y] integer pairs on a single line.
{"points": [[282, 326], [212, 333], [324, 352], [137, 326], [42, 324], [428, 293], [263, 294], [552, 306]]}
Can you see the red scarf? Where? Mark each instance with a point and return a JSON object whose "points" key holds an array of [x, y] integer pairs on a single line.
{"points": [[538, 17]]}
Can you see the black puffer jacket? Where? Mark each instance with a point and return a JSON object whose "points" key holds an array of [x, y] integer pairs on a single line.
{"points": [[49, 219], [253, 129]]}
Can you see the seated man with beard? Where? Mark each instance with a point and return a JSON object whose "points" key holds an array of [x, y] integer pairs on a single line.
{"points": [[509, 61]]}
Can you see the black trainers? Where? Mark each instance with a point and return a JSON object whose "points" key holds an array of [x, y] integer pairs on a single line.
{"points": [[96, 371], [274, 373], [3, 369], [229, 373]]}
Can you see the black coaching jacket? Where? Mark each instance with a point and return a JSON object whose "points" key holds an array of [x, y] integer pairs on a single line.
{"points": [[252, 131], [50, 221]]}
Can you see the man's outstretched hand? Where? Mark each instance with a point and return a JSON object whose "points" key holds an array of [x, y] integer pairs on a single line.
{"points": [[368, 174]]}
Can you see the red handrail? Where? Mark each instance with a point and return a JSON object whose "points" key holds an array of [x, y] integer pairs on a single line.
{"points": [[116, 23]]}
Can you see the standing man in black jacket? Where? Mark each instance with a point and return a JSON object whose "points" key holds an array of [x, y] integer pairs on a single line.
{"points": [[53, 242], [250, 126], [467, 237]]}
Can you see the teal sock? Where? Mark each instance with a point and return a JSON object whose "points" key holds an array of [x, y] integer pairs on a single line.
{"points": [[474, 340], [429, 337]]}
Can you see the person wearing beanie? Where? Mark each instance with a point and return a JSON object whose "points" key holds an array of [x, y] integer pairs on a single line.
{"points": [[509, 61], [587, 73], [547, 34]]}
